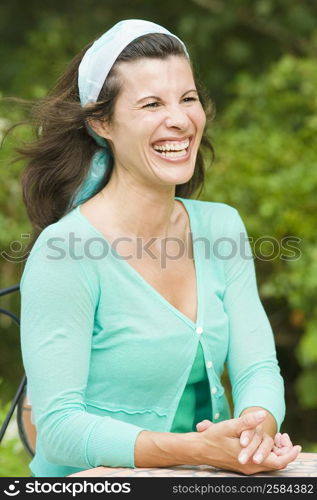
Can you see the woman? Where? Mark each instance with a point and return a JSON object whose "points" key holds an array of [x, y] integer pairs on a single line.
{"points": [[126, 324]]}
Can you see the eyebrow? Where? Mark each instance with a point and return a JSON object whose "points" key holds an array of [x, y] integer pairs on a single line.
{"points": [[156, 97]]}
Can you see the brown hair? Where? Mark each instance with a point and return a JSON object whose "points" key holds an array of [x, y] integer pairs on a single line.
{"points": [[59, 158]]}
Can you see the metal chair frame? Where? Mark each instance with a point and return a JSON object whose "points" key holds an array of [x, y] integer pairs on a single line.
{"points": [[20, 395]]}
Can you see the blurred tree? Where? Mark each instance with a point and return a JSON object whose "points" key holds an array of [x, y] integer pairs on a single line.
{"points": [[38, 39], [266, 167], [264, 136]]}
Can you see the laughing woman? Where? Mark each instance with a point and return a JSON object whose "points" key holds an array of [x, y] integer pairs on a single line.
{"points": [[128, 315]]}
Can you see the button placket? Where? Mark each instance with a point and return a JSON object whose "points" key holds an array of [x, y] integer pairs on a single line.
{"points": [[215, 391], [209, 364]]}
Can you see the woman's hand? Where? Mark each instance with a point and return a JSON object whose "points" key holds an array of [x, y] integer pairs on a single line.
{"points": [[282, 444], [276, 453], [257, 444]]}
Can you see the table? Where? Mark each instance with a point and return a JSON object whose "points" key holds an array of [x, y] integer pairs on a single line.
{"points": [[304, 466]]}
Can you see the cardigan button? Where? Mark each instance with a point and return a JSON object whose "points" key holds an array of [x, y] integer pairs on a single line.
{"points": [[199, 330], [216, 416], [214, 390], [209, 364]]}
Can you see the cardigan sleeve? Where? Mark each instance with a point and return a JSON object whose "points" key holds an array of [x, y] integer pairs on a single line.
{"points": [[252, 365], [58, 303]]}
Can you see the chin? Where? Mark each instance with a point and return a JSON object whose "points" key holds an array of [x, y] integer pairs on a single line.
{"points": [[176, 177]]}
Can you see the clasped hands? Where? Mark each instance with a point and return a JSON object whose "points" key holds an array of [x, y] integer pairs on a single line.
{"points": [[250, 449]]}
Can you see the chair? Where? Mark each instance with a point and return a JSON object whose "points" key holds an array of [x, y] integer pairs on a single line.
{"points": [[26, 428]]}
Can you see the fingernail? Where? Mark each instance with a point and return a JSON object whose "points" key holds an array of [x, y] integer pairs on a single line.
{"points": [[258, 458], [260, 414], [243, 457], [244, 441]]}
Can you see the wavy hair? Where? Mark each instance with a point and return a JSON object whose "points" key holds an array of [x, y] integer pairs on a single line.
{"points": [[58, 159]]}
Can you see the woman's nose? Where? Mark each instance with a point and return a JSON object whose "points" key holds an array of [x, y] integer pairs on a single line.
{"points": [[177, 117]]}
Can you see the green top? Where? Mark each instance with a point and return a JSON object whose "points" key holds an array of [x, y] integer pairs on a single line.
{"points": [[107, 356], [195, 403]]}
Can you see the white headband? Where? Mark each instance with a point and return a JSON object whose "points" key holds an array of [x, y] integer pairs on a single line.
{"points": [[100, 57]]}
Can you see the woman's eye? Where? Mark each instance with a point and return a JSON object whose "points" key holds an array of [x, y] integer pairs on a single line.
{"points": [[188, 99], [156, 103], [151, 105]]}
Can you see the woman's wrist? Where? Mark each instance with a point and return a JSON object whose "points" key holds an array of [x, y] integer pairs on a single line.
{"points": [[167, 449]]}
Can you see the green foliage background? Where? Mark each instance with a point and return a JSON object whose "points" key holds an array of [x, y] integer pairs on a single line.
{"points": [[258, 61]]}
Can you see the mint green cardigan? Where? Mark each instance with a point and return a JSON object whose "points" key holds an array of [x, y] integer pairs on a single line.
{"points": [[106, 356]]}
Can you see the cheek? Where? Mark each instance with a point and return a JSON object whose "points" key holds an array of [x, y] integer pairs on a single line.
{"points": [[199, 117], [142, 127], [150, 121]]}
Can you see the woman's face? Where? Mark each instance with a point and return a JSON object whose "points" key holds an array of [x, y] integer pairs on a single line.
{"points": [[158, 121]]}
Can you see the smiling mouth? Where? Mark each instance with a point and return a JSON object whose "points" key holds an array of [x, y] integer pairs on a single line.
{"points": [[173, 151]]}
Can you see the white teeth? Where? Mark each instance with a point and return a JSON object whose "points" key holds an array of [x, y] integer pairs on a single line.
{"points": [[174, 154], [173, 146]]}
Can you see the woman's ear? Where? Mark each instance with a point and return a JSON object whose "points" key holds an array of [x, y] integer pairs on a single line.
{"points": [[100, 127]]}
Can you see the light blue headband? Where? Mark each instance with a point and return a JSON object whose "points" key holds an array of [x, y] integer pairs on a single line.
{"points": [[93, 70]]}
